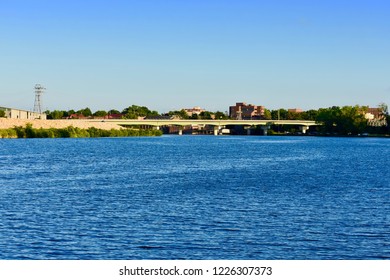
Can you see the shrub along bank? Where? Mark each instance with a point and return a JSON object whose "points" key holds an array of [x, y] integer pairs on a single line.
{"points": [[73, 132]]}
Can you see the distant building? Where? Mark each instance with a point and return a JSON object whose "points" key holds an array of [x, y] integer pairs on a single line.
{"points": [[194, 111], [114, 116], [374, 113], [375, 117], [295, 110], [243, 111], [369, 116], [77, 116], [22, 114]]}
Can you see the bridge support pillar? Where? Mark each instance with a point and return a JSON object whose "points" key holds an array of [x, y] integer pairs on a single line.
{"points": [[248, 131], [180, 131], [304, 128], [216, 130], [265, 129]]}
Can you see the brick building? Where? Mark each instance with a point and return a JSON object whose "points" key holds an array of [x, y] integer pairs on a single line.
{"points": [[243, 111]]}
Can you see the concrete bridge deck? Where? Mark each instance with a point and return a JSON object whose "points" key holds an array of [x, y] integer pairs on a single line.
{"points": [[206, 122], [265, 124]]}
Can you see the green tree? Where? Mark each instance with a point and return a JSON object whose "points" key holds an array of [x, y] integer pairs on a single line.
{"points": [[329, 117], [86, 112], [293, 115], [100, 113], [2, 114], [181, 114], [267, 114], [70, 112], [221, 115], [56, 114], [194, 117], [135, 111], [113, 112], [384, 108], [346, 120], [280, 114], [47, 112], [153, 113], [309, 115], [351, 120], [385, 112], [206, 115]]}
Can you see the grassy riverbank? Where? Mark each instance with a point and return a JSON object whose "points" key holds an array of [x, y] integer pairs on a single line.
{"points": [[73, 132]]}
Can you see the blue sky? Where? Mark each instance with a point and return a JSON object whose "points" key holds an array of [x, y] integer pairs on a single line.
{"points": [[173, 54]]}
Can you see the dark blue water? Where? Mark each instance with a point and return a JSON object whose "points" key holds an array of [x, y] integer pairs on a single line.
{"points": [[195, 197]]}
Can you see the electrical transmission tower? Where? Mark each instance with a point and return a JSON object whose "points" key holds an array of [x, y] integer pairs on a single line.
{"points": [[38, 98]]}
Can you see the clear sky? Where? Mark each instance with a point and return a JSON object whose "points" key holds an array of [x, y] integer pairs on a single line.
{"points": [[173, 54]]}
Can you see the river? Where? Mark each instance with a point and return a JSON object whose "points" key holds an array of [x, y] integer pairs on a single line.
{"points": [[195, 197]]}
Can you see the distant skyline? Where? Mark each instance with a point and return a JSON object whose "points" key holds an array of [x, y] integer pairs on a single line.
{"points": [[173, 54]]}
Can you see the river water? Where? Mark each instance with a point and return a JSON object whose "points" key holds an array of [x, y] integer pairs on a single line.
{"points": [[195, 197]]}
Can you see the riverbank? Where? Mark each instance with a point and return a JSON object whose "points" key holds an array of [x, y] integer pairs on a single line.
{"points": [[6, 123], [11, 128]]}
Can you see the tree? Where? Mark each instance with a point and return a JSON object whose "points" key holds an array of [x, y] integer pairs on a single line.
{"points": [[328, 117], [85, 112], [100, 113], [55, 115], [2, 114], [135, 111], [113, 112], [267, 114], [182, 114], [309, 115], [153, 113], [220, 116], [352, 120], [293, 115], [194, 116], [280, 114], [384, 108], [69, 113], [346, 120], [385, 112], [206, 115]]}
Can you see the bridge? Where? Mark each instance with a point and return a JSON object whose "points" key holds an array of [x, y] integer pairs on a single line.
{"points": [[217, 124]]}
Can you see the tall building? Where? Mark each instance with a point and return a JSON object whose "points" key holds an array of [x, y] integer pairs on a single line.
{"points": [[243, 111]]}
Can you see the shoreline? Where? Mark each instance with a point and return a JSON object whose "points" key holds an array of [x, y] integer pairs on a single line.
{"points": [[6, 123]]}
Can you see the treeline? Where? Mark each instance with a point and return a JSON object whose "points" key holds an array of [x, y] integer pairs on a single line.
{"points": [[206, 115], [346, 120], [335, 120], [131, 112], [73, 132]]}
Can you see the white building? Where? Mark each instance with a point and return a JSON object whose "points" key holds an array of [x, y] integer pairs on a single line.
{"points": [[22, 114]]}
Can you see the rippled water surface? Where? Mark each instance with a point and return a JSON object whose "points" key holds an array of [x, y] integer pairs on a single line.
{"points": [[195, 197]]}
